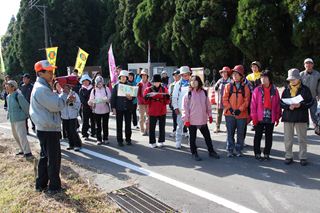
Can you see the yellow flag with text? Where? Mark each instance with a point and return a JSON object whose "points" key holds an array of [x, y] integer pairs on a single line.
{"points": [[52, 55], [81, 61]]}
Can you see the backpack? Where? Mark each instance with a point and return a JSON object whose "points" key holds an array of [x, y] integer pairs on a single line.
{"points": [[241, 88], [17, 100], [190, 93], [105, 89]]}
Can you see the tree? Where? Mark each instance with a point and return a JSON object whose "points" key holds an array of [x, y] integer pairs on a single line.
{"points": [[259, 32], [305, 15], [9, 49]]}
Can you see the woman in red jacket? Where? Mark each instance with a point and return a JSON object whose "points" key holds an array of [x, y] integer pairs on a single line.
{"points": [[157, 98]]}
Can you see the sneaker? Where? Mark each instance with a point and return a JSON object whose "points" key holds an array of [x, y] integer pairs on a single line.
{"points": [[239, 154], [19, 153], [196, 157], [77, 149], [213, 154], [120, 144], [29, 156], [99, 142], [217, 130], [70, 148], [106, 141], [186, 135], [288, 161], [266, 157], [129, 143], [172, 134], [160, 144], [153, 145], [303, 162], [136, 127], [230, 154], [258, 157]]}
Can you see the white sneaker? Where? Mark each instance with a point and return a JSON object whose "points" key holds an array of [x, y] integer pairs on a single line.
{"points": [[99, 142], [136, 127], [153, 145], [160, 144], [172, 134]]}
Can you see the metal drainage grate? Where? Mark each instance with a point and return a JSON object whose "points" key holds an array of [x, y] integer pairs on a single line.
{"points": [[132, 199]]}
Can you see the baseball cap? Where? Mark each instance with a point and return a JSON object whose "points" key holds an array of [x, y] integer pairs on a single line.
{"points": [[43, 65], [308, 60]]}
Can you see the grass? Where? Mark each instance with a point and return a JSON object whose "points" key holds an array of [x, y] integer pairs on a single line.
{"points": [[17, 192]]}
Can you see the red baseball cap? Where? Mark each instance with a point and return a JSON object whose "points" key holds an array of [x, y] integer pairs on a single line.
{"points": [[43, 65]]}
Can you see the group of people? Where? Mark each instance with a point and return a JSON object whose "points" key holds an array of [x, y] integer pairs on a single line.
{"points": [[241, 99]]}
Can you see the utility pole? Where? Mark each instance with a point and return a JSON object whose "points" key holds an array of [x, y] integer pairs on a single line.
{"points": [[42, 10]]}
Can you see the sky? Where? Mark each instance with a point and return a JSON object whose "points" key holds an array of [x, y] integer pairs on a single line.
{"points": [[7, 9]]}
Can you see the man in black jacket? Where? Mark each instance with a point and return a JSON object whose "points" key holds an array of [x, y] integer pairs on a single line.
{"points": [[296, 116], [26, 89]]}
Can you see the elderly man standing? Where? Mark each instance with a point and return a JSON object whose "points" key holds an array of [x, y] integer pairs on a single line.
{"points": [[311, 79], [45, 107]]}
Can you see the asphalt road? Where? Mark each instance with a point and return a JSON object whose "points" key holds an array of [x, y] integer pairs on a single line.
{"points": [[224, 185]]}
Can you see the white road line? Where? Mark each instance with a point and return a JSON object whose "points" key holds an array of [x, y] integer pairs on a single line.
{"points": [[199, 192]]}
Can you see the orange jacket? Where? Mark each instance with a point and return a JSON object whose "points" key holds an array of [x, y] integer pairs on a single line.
{"points": [[236, 100]]}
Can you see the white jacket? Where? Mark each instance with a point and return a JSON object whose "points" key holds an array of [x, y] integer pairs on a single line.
{"points": [[70, 111], [177, 96]]}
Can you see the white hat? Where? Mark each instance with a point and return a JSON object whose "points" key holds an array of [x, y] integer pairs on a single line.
{"points": [[308, 60], [184, 70], [98, 80], [124, 73], [164, 72], [144, 72], [85, 77]]}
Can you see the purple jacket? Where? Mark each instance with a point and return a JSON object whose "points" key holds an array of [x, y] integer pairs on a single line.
{"points": [[257, 107], [196, 108]]}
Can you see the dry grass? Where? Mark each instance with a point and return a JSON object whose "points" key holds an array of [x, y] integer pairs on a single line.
{"points": [[17, 192]]}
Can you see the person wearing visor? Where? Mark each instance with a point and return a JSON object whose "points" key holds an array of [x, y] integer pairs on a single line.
{"points": [[45, 108]]}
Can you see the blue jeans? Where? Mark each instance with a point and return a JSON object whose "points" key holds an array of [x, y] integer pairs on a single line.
{"points": [[313, 111], [232, 125]]}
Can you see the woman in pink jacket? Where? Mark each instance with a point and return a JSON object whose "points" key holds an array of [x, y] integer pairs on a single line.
{"points": [[195, 114], [99, 101], [265, 113]]}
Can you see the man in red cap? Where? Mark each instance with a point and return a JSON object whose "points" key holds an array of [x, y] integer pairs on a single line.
{"points": [[45, 107]]}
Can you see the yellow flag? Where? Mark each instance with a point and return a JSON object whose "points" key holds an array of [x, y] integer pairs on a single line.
{"points": [[52, 55], [81, 61]]}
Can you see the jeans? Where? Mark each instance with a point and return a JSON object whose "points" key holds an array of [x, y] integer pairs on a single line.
{"points": [[50, 161], [71, 128], [179, 131], [258, 136], [313, 110], [193, 136], [232, 125], [102, 121], [119, 120], [152, 128]]}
